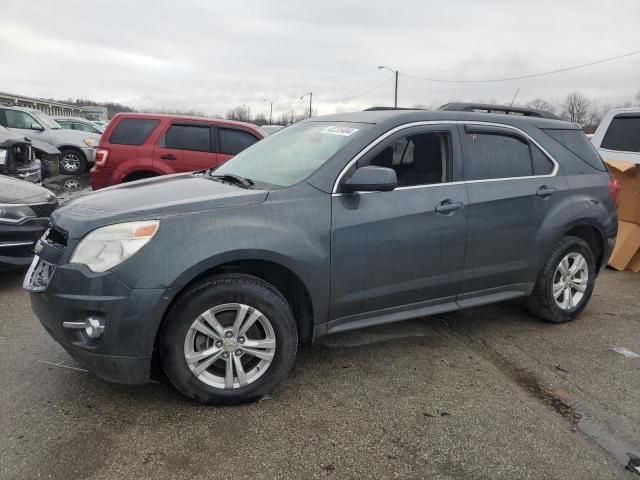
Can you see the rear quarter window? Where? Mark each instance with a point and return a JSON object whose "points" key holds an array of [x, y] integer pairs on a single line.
{"points": [[133, 131], [577, 143]]}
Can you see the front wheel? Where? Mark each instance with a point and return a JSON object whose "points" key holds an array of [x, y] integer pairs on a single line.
{"points": [[229, 340], [72, 162], [565, 283]]}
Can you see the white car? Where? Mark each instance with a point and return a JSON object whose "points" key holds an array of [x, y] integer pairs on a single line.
{"points": [[618, 135]]}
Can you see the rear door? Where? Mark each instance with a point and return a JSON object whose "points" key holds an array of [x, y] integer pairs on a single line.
{"points": [[232, 141], [186, 146], [513, 187]]}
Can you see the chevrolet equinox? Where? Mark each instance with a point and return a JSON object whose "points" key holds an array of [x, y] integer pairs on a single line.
{"points": [[331, 224]]}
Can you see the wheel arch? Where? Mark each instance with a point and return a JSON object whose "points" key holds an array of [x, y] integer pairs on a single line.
{"points": [[283, 278], [594, 238]]}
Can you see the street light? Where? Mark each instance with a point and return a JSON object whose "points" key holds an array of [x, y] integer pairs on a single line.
{"points": [[270, 109], [310, 100], [395, 102]]}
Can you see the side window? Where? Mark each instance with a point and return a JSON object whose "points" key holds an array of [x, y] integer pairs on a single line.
{"points": [[496, 155], [233, 141], [188, 137], [81, 127], [623, 134], [133, 131], [420, 159], [577, 143], [542, 165], [17, 119]]}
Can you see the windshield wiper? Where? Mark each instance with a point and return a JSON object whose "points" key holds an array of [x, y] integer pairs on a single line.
{"points": [[237, 179]]}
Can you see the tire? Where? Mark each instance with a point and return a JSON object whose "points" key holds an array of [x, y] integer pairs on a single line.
{"points": [[72, 162], [552, 301], [207, 383]]}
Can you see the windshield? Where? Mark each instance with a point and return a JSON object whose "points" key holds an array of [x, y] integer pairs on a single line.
{"points": [[45, 119], [289, 156]]}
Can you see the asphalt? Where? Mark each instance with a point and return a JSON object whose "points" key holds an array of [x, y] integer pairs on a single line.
{"points": [[487, 393]]}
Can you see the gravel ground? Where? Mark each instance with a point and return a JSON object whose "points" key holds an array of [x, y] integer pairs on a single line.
{"points": [[484, 393]]}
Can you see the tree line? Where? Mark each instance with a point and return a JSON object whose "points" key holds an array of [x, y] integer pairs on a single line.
{"points": [[574, 107]]}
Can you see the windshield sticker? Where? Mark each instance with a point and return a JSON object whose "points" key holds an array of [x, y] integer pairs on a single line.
{"points": [[342, 131]]}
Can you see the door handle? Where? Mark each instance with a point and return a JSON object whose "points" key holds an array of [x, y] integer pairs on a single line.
{"points": [[545, 191], [168, 157], [448, 206]]}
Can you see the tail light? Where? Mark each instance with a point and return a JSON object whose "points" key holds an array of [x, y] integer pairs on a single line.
{"points": [[101, 157], [614, 189]]}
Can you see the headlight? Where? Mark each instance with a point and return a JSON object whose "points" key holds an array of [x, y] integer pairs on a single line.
{"points": [[90, 142], [3, 157], [106, 247], [14, 213]]}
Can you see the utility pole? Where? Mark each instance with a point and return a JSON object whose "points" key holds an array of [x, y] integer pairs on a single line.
{"points": [[395, 72], [310, 101], [270, 110]]}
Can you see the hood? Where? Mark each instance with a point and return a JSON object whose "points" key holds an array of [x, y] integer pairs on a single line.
{"points": [[45, 148], [157, 197], [19, 191], [64, 135]]}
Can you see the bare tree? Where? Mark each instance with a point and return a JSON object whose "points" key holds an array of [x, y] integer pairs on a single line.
{"points": [[576, 108], [260, 119], [241, 114], [540, 104]]}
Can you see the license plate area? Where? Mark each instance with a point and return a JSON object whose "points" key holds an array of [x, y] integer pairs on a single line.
{"points": [[39, 275]]}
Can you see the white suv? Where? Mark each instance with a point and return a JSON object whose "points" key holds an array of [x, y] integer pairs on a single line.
{"points": [[618, 135]]}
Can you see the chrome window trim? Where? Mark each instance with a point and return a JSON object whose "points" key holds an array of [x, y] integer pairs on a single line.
{"points": [[382, 137]]}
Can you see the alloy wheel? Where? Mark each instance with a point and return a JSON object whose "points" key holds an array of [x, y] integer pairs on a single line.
{"points": [[71, 162], [570, 281], [230, 346]]}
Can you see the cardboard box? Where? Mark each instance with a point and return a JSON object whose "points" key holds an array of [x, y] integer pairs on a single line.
{"points": [[627, 245], [628, 174], [634, 264]]}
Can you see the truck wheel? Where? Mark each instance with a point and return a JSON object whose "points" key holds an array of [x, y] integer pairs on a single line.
{"points": [[229, 339], [565, 283], [72, 162]]}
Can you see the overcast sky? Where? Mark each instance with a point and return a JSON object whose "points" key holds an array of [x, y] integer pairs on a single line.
{"points": [[213, 55]]}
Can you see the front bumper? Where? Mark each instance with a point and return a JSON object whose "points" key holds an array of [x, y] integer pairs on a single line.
{"points": [[131, 318], [17, 241]]}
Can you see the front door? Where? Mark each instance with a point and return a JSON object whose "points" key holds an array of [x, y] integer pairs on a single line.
{"points": [[401, 250], [23, 123]]}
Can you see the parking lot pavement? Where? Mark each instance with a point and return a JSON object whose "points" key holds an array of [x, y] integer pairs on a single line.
{"points": [[484, 393]]}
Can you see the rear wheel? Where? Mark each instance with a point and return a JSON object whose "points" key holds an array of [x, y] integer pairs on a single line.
{"points": [[565, 283], [228, 340], [72, 162]]}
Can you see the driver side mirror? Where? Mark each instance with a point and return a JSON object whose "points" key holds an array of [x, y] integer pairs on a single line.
{"points": [[371, 179], [36, 126]]}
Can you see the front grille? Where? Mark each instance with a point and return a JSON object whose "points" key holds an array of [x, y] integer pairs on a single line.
{"points": [[55, 235], [43, 209]]}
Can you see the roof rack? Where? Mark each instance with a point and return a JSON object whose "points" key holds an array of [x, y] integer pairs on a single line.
{"points": [[376, 109], [502, 109]]}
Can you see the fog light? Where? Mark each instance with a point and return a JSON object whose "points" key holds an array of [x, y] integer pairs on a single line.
{"points": [[91, 326]]}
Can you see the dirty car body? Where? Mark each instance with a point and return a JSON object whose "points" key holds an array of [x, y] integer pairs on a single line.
{"points": [[24, 217], [420, 243]]}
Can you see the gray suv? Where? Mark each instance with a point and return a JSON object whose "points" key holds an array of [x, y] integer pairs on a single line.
{"points": [[332, 224], [78, 149]]}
